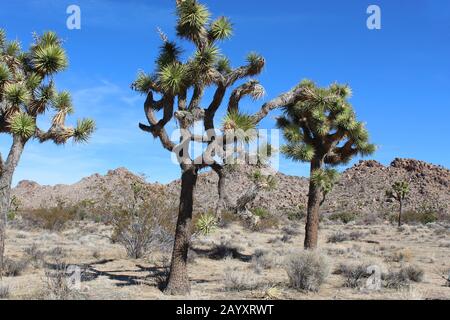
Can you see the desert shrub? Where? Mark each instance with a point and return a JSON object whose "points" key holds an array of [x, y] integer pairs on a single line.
{"points": [[139, 227], [403, 277], [225, 249], [296, 214], [341, 237], [236, 280], [291, 231], [267, 223], [261, 212], [345, 216], [413, 273], [422, 217], [307, 270], [263, 260], [12, 268], [4, 292], [403, 255], [57, 284], [50, 218], [354, 275], [206, 224], [34, 255], [337, 237]]}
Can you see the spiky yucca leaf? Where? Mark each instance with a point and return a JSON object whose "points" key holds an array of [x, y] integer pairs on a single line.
{"points": [[63, 102], [23, 125], [223, 65], [2, 39], [235, 120], [84, 130], [169, 53], [49, 59], [143, 83], [5, 74], [16, 94], [192, 18], [221, 29], [49, 38], [206, 224], [344, 91], [256, 63], [206, 58], [325, 179], [13, 48], [291, 133], [298, 152], [33, 81], [173, 78]]}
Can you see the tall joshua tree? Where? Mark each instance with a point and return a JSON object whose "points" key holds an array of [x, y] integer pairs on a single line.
{"points": [[27, 91], [322, 129], [180, 85], [399, 192]]}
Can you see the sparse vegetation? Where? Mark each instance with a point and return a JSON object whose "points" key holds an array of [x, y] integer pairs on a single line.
{"points": [[237, 280], [14, 268], [345, 217], [307, 270], [4, 292], [138, 227]]}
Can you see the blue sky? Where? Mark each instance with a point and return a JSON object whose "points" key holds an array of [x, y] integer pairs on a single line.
{"points": [[400, 74]]}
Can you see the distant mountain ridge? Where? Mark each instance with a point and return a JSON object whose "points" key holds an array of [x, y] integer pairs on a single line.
{"points": [[361, 189]]}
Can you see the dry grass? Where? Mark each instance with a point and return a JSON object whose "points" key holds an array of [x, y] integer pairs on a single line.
{"points": [[232, 263]]}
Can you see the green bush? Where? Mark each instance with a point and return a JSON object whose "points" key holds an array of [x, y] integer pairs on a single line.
{"points": [[261, 213]]}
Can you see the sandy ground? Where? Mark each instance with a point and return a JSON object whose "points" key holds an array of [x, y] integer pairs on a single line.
{"points": [[108, 274]]}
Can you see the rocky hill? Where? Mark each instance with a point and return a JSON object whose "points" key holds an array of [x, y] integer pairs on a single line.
{"points": [[361, 189]]}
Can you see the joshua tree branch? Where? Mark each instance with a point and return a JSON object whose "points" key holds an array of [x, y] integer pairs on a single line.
{"points": [[247, 88], [284, 99]]}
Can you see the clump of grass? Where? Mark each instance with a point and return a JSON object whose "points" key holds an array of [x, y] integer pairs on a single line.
{"points": [[35, 256], [237, 280], [4, 292], [307, 270], [338, 237]]}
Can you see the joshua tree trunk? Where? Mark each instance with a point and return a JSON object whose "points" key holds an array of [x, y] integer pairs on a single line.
{"points": [[6, 174], [178, 283], [400, 213], [314, 200]]}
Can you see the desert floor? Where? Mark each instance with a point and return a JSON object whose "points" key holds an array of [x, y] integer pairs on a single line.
{"points": [[222, 266]]}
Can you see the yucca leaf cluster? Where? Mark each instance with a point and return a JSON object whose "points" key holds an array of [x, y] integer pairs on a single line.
{"points": [[323, 126], [28, 90]]}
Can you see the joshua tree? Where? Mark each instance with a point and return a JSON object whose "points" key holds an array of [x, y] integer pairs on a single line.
{"points": [[27, 91], [181, 85], [399, 192], [322, 129]]}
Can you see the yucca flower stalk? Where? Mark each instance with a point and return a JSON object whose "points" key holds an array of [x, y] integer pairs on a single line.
{"points": [[181, 80], [322, 129], [27, 91]]}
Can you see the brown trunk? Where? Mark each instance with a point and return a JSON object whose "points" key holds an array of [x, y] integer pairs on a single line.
{"points": [[400, 213], [6, 175], [314, 200], [222, 203], [178, 282]]}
